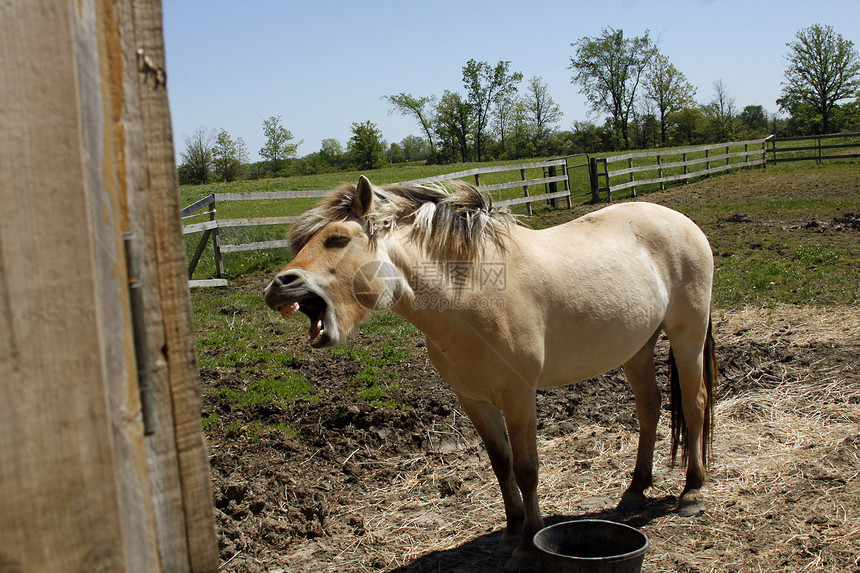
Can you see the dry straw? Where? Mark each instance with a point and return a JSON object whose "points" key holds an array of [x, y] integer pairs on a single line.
{"points": [[784, 493]]}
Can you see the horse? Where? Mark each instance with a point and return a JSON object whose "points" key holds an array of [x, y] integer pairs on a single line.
{"points": [[508, 310]]}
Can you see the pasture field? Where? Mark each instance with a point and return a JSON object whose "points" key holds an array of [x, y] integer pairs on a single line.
{"points": [[241, 263], [358, 458]]}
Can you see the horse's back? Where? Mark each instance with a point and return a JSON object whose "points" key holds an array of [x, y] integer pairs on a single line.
{"points": [[608, 280]]}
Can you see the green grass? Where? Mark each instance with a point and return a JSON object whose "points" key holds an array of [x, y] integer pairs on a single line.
{"points": [[770, 255]]}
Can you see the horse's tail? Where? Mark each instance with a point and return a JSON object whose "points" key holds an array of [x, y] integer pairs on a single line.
{"points": [[679, 425]]}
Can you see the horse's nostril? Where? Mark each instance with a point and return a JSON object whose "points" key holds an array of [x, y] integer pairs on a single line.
{"points": [[286, 279]]}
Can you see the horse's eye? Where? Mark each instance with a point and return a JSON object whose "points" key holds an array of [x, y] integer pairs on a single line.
{"points": [[336, 241]]}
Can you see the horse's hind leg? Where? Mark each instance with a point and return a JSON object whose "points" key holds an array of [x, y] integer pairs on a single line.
{"points": [[689, 355], [490, 424], [639, 371]]}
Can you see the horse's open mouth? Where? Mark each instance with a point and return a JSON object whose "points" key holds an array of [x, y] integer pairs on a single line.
{"points": [[315, 309]]}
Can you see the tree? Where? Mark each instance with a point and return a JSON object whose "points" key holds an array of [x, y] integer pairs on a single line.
{"points": [[485, 86], [228, 155], [609, 69], [542, 110], [278, 147], [454, 123], [668, 89], [754, 120], [407, 104], [331, 151], [366, 148], [689, 126], [823, 69], [197, 157], [722, 112], [415, 148]]}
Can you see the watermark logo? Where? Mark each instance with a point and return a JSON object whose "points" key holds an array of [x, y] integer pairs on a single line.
{"points": [[438, 285], [377, 285]]}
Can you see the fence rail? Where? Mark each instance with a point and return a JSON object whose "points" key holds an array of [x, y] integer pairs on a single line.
{"points": [[653, 163], [555, 171], [639, 169], [794, 152]]}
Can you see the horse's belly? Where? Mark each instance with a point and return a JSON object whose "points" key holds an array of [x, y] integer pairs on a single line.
{"points": [[592, 351]]}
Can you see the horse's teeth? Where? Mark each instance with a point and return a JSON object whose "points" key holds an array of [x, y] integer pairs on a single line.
{"points": [[288, 309]]}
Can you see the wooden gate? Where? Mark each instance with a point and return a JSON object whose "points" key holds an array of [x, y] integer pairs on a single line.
{"points": [[94, 301]]}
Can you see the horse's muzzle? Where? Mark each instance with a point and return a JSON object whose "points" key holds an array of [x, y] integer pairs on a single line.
{"points": [[298, 288]]}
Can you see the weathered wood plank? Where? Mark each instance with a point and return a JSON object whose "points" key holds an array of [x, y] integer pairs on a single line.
{"points": [[481, 170], [256, 222], [197, 206], [513, 184], [255, 246], [689, 175], [207, 283], [61, 502], [188, 515], [260, 195], [664, 153], [699, 161], [532, 198], [198, 227]]}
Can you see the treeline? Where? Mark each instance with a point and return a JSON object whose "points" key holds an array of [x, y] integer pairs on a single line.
{"points": [[644, 99]]}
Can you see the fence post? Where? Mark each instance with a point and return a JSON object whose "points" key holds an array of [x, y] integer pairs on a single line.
{"points": [[592, 176], [525, 191], [553, 186], [660, 172], [632, 178], [566, 173], [216, 243], [684, 161]]}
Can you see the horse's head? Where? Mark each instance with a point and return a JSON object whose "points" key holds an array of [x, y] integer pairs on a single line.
{"points": [[338, 276]]}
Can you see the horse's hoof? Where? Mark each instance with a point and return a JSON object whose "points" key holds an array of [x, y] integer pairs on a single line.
{"points": [[523, 561], [691, 503], [631, 502], [507, 546]]}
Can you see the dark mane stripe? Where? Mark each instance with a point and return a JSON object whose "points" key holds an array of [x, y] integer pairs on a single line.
{"points": [[453, 220]]}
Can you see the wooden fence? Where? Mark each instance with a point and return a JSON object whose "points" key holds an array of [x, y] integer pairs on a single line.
{"points": [[652, 169], [815, 147], [661, 166], [556, 173]]}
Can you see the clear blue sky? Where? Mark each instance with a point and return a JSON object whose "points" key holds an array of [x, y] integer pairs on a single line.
{"points": [[325, 64]]}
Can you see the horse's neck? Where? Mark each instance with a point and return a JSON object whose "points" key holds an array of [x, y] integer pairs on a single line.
{"points": [[436, 300]]}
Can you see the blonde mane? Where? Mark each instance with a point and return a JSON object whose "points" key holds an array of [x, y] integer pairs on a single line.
{"points": [[451, 220]]}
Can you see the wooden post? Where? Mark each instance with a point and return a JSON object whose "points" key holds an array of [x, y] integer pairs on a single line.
{"points": [[592, 177], [728, 159], [632, 178], [86, 133], [526, 191], [684, 160], [566, 173], [216, 243], [707, 163], [660, 173], [553, 186]]}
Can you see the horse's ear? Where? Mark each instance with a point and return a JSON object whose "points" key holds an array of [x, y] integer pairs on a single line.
{"points": [[362, 201]]}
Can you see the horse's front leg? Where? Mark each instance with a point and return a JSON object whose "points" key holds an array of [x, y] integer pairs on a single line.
{"points": [[521, 420], [490, 424]]}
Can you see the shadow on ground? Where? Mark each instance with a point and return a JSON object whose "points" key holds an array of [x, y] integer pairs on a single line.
{"points": [[479, 555]]}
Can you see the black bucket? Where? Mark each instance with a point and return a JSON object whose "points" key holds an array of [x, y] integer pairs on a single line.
{"points": [[591, 546]]}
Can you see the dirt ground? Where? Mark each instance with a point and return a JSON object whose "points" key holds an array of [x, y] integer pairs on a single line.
{"points": [[360, 488]]}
